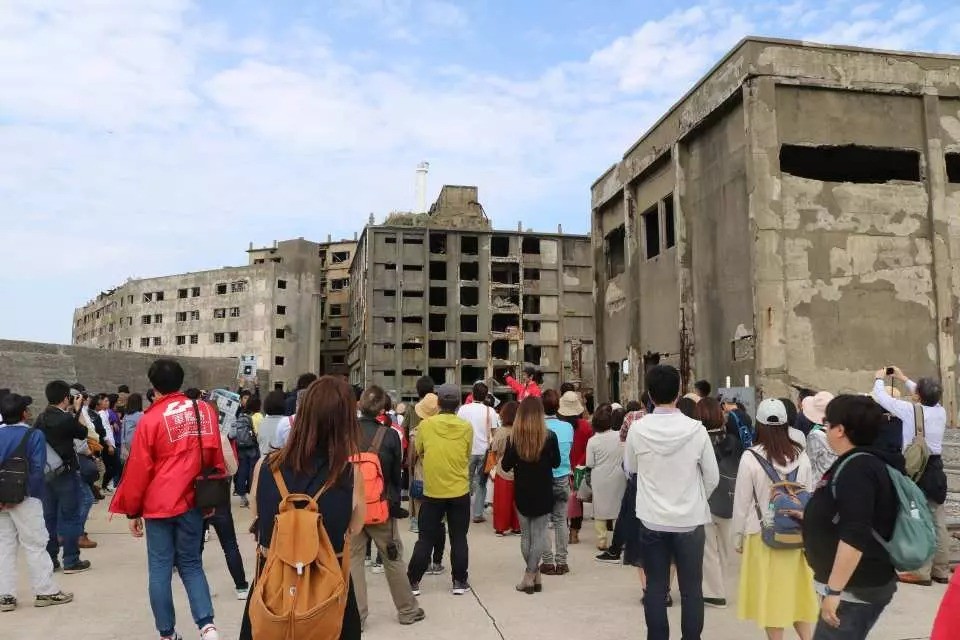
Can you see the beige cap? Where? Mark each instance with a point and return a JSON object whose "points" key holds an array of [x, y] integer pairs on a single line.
{"points": [[428, 406]]}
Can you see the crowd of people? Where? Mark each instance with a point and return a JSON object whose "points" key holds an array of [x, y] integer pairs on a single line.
{"points": [[810, 497]]}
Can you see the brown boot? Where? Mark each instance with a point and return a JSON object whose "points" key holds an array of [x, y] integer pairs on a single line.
{"points": [[574, 536], [537, 582], [86, 543], [527, 584]]}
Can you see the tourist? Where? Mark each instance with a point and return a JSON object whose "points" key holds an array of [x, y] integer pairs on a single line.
{"points": [[625, 525], [315, 459], [21, 524], [776, 588], [426, 408], [484, 421], [62, 502], [383, 441], [445, 443], [571, 411], [413, 418], [927, 393], [855, 502], [505, 517], [274, 415], [244, 435], [607, 480], [676, 471], [688, 406], [555, 557], [123, 392], [134, 411], [818, 449], [531, 454], [111, 454], [530, 385], [157, 495], [716, 546], [290, 400]]}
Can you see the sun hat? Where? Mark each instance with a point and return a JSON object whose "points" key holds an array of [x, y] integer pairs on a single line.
{"points": [[570, 405], [815, 407], [427, 407]]}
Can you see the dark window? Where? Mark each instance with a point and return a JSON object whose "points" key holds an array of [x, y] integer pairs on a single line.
{"points": [[531, 326], [181, 340], [144, 342], [390, 240], [531, 304], [181, 293], [953, 168], [234, 312], [281, 310], [280, 333], [850, 163], [415, 268], [338, 359], [531, 353], [469, 324], [438, 296], [336, 310], [181, 316], [437, 374], [469, 350], [159, 296], [469, 296], [413, 294], [220, 313], [438, 322], [222, 289], [530, 246], [278, 360], [616, 250], [195, 292], [500, 349], [219, 338], [505, 273], [438, 243], [651, 232], [504, 322], [194, 339], [531, 275], [339, 284], [438, 270], [412, 239], [157, 342], [145, 319], [281, 284], [500, 246], [438, 349], [336, 332], [234, 336], [469, 271], [669, 222], [470, 245], [341, 256]]}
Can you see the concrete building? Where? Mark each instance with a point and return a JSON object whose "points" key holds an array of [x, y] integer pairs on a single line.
{"points": [[795, 217], [272, 308], [443, 294]]}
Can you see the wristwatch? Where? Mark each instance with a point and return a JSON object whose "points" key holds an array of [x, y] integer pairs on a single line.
{"points": [[833, 592]]}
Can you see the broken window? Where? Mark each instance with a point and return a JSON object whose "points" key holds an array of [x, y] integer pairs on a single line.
{"points": [[850, 163], [505, 300], [470, 271], [530, 245], [438, 270], [470, 375], [221, 288], [505, 273], [953, 167], [411, 346], [238, 287], [279, 360], [220, 313], [390, 266], [469, 296], [336, 332], [437, 349], [438, 243], [438, 296], [413, 294], [651, 232], [469, 350], [532, 353], [181, 294], [500, 349], [390, 240], [569, 250], [148, 297], [531, 304], [281, 309], [437, 374], [413, 268], [339, 284], [281, 284], [281, 333], [470, 245], [181, 340], [412, 320], [338, 359], [438, 323], [340, 256], [505, 323], [669, 222], [531, 275], [234, 336], [181, 317], [615, 246], [469, 324], [194, 292], [336, 310], [219, 338], [390, 293], [500, 246], [412, 239]]}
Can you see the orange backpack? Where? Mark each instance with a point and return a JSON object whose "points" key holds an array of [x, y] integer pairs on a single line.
{"points": [[374, 485], [302, 591]]}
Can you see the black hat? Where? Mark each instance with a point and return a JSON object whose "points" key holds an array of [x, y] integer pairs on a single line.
{"points": [[12, 407]]}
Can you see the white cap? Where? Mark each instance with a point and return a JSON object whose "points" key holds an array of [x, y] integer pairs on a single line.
{"points": [[771, 412]]}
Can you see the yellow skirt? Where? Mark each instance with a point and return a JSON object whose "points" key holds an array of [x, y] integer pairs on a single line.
{"points": [[776, 586]]}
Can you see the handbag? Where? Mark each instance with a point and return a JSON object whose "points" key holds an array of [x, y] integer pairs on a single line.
{"points": [[490, 462], [211, 487], [585, 490]]}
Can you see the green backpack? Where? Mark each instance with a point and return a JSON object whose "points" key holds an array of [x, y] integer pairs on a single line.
{"points": [[914, 539]]}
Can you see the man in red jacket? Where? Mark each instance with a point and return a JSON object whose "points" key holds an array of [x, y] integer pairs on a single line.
{"points": [[157, 488]]}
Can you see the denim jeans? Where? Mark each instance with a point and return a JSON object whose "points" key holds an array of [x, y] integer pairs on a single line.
{"points": [[222, 523], [478, 484], [177, 542], [86, 504], [432, 512], [245, 465], [533, 540], [61, 512], [658, 549], [557, 553], [856, 620]]}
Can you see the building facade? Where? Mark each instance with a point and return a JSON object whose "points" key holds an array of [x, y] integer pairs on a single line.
{"points": [[795, 218], [443, 294]]}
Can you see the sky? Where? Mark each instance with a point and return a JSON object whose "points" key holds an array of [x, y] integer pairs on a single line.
{"points": [[156, 137]]}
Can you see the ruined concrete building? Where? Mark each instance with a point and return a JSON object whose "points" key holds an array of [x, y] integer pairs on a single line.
{"points": [[288, 307], [443, 294], [795, 218]]}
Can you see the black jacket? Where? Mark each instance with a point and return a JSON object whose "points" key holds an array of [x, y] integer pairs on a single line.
{"points": [[866, 502], [533, 481], [391, 457], [61, 428]]}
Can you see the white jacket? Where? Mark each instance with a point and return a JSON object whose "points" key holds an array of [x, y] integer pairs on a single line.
{"points": [[754, 484], [676, 470]]}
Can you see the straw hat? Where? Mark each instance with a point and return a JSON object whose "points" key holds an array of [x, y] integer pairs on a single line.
{"points": [[570, 405], [428, 407]]}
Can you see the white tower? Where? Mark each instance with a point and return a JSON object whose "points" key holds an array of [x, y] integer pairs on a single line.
{"points": [[422, 169]]}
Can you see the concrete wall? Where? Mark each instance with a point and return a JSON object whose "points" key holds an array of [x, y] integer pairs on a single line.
{"points": [[26, 367]]}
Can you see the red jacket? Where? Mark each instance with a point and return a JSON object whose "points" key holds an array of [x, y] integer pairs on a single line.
{"points": [[528, 390], [165, 459], [578, 452], [947, 624]]}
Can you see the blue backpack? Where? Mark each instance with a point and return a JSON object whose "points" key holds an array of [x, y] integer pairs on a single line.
{"points": [[780, 530], [744, 431]]}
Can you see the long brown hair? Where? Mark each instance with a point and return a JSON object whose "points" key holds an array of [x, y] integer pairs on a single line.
{"points": [[529, 429], [710, 413], [508, 413], [777, 444], [326, 427]]}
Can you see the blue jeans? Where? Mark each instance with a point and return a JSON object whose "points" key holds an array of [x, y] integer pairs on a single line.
{"points": [[61, 511], [222, 523], [856, 620], [658, 549], [177, 542], [244, 476], [478, 484], [86, 504]]}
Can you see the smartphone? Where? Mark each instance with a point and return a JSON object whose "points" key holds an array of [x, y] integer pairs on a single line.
{"points": [[889, 371]]}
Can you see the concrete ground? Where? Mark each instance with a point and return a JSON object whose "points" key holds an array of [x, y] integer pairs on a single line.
{"points": [[595, 600]]}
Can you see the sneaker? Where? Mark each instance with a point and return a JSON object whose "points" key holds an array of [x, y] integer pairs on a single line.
{"points": [[414, 527], [479, 520], [417, 616], [175, 636], [242, 594], [209, 632], [415, 588], [244, 502], [8, 603], [435, 569], [80, 567], [53, 599], [609, 556], [86, 543], [716, 603], [940, 579], [376, 568], [460, 588], [501, 534]]}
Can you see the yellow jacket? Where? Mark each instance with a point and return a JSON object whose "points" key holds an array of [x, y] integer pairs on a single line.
{"points": [[444, 442]]}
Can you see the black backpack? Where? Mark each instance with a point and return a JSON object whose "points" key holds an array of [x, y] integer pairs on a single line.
{"points": [[246, 439], [728, 452], [14, 472]]}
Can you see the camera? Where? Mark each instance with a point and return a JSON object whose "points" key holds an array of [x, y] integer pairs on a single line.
{"points": [[889, 371]]}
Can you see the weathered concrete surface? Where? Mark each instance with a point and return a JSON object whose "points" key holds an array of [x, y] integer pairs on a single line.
{"points": [[594, 601]]}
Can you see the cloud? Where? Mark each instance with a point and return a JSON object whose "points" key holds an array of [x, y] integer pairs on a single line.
{"points": [[407, 20]]}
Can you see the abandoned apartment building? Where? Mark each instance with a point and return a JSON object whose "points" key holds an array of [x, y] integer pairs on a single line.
{"points": [[443, 294], [795, 217]]}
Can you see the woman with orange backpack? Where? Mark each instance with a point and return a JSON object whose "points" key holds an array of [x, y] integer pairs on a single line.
{"points": [[313, 465]]}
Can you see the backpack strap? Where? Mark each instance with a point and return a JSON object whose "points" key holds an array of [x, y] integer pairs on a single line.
{"points": [[281, 484], [836, 474], [918, 434], [378, 439], [21, 450], [772, 473]]}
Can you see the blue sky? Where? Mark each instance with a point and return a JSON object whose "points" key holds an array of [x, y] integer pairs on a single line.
{"points": [[160, 136]]}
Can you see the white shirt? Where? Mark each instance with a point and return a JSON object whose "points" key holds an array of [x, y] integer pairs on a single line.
{"points": [[934, 418], [484, 420], [105, 417]]}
